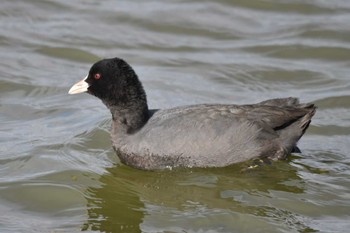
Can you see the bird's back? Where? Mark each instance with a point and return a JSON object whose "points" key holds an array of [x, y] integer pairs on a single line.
{"points": [[213, 135]]}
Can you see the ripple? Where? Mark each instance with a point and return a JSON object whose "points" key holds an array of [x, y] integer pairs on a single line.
{"points": [[72, 54], [58, 169], [304, 52], [334, 102]]}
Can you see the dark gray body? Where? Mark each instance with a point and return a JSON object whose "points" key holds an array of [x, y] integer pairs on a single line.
{"points": [[214, 135]]}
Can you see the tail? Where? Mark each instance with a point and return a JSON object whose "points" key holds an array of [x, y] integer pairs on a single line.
{"points": [[306, 120], [290, 135]]}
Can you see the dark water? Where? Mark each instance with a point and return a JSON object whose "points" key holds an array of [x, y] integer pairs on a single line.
{"points": [[58, 172]]}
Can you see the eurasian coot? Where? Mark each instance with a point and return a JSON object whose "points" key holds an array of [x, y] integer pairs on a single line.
{"points": [[205, 135]]}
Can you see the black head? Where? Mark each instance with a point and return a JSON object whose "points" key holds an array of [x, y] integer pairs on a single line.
{"points": [[114, 82]]}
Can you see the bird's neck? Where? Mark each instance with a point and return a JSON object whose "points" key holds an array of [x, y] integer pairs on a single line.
{"points": [[127, 102], [129, 119]]}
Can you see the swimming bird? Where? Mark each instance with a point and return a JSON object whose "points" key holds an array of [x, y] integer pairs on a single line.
{"points": [[204, 135]]}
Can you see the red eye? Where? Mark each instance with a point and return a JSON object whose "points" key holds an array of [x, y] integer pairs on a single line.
{"points": [[97, 76]]}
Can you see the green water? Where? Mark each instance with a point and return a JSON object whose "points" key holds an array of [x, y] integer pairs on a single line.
{"points": [[58, 172]]}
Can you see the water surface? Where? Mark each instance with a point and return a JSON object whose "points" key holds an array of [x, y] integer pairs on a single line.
{"points": [[58, 172]]}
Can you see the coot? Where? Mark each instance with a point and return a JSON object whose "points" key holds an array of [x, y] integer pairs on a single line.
{"points": [[205, 135]]}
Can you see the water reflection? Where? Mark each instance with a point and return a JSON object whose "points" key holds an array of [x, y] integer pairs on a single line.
{"points": [[53, 151], [131, 200]]}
